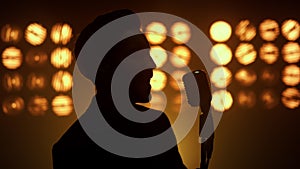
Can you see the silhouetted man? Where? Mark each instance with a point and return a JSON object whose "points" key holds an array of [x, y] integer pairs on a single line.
{"points": [[75, 149]]}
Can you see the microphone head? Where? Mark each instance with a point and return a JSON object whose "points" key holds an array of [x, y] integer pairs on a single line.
{"points": [[191, 84]]}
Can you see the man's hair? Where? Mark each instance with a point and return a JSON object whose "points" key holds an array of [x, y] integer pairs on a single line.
{"points": [[99, 22]]}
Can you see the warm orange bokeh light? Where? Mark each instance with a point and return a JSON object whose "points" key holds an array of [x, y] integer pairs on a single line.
{"points": [[61, 33], [269, 30], [36, 81], [62, 81], [12, 58], [13, 105], [269, 99], [221, 77], [12, 81], [62, 105], [269, 76], [36, 57], [156, 33], [291, 98], [10, 33], [220, 31], [290, 29], [246, 99], [245, 77], [38, 105], [291, 52], [269, 53], [245, 53], [221, 54], [61, 57], [35, 34], [158, 80], [159, 55], [245, 31], [291, 75], [181, 57], [176, 83], [221, 100], [180, 32]]}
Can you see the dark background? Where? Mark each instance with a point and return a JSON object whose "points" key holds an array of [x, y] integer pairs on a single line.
{"points": [[254, 138]]}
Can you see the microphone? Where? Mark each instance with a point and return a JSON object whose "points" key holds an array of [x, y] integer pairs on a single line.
{"points": [[202, 99], [204, 96]]}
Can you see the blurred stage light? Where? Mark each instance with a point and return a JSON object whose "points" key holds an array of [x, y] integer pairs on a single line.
{"points": [[246, 98], [62, 81], [35, 34], [291, 75], [221, 100], [181, 32], [269, 30], [12, 57], [245, 76], [269, 76], [11, 34], [37, 105], [12, 81], [245, 53], [291, 52], [36, 57], [245, 30], [269, 53], [158, 80], [61, 33], [181, 56], [220, 54], [13, 105], [290, 29], [61, 57], [36, 81], [62, 105], [221, 77], [220, 31], [291, 98], [159, 55], [176, 83], [269, 99], [156, 33]]}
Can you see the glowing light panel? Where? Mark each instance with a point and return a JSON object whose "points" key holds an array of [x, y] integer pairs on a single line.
{"points": [[62, 105], [181, 32], [159, 55], [181, 57], [269, 53], [290, 29], [221, 54], [35, 34], [220, 31], [269, 30], [158, 80], [61, 33], [221, 100], [156, 33], [221, 77], [61, 57], [245, 53], [12, 58], [291, 75], [245, 30]]}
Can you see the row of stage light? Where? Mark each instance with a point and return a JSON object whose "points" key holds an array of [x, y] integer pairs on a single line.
{"points": [[270, 53]]}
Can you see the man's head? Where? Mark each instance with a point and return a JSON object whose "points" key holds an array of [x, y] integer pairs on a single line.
{"points": [[139, 89]]}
